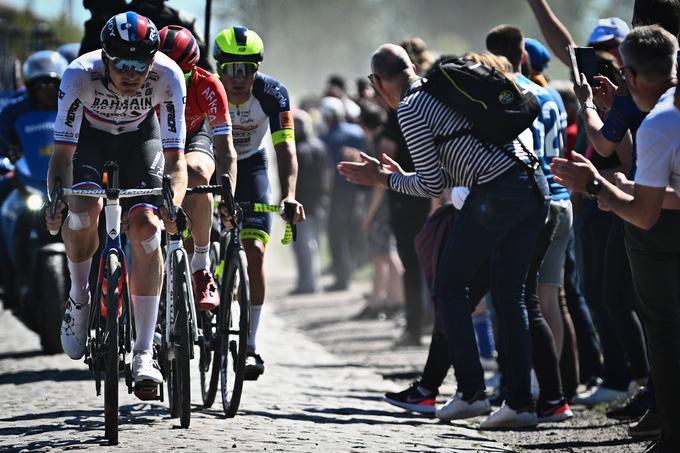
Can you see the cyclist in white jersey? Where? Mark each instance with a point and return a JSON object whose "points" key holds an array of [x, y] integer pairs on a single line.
{"points": [[107, 103], [257, 103]]}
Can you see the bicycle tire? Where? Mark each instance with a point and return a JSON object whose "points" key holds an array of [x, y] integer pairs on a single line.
{"points": [[113, 273], [180, 296], [234, 334], [208, 359], [208, 324]]}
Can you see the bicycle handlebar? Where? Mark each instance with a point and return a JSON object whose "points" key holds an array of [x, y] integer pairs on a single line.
{"points": [[236, 209]]}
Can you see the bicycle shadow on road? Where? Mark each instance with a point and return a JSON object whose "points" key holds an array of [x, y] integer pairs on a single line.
{"points": [[22, 355], [52, 374], [89, 424], [352, 416]]}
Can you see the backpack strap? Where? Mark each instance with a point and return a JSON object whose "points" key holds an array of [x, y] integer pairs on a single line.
{"points": [[529, 167]]}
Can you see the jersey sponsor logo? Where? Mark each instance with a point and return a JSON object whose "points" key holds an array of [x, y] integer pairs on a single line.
{"points": [[286, 120], [170, 108], [210, 96], [114, 103], [71, 114], [276, 93]]}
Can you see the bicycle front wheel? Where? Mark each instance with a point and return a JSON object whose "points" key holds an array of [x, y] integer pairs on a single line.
{"points": [[181, 339], [234, 329], [113, 274]]}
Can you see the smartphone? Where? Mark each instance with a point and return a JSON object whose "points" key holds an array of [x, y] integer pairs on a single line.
{"points": [[574, 65], [586, 61]]}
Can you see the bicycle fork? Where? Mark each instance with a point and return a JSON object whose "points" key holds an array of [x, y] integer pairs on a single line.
{"points": [[173, 246]]}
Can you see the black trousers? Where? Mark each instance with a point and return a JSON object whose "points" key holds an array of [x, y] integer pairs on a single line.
{"points": [[407, 216], [655, 265], [619, 298]]}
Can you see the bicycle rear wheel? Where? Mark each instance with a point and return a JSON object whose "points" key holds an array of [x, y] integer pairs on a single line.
{"points": [[209, 352], [234, 329], [181, 340], [113, 274]]}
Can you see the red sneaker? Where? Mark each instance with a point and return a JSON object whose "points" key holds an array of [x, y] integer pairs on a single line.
{"points": [[205, 290]]}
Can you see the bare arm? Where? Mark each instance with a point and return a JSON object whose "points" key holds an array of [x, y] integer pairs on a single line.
{"points": [[670, 199], [176, 167], [556, 34], [642, 209], [61, 166], [225, 157], [592, 121], [288, 170]]}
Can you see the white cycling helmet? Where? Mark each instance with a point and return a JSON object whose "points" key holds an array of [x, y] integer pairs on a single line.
{"points": [[44, 64]]}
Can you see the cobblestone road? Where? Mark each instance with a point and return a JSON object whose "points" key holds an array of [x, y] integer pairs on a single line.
{"points": [[308, 400], [322, 391]]}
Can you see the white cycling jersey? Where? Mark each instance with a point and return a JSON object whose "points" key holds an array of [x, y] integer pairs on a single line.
{"points": [[84, 92], [268, 108]]}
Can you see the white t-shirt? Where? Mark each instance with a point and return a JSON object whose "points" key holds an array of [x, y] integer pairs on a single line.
{"points": [[658, 146]]}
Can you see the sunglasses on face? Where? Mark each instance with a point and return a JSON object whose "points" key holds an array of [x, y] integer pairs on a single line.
{"points": [[129, 64], [239, 69]]}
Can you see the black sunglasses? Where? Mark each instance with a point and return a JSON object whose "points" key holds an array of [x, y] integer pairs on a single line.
{"points": [[371, 78]]}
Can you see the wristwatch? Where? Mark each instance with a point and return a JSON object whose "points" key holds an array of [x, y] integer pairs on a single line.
{"points": [[587, 105], [594, 187]]}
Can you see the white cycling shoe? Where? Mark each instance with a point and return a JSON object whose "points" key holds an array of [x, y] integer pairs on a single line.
{"points": [[74, 328], [145, 368]]}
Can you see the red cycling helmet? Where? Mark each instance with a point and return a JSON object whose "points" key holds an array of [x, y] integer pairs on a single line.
{"points": [[179, 44]]}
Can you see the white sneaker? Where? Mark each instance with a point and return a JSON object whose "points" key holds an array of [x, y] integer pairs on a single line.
{"points": [[599, 395], [74, 328], [457, 408], [145, 368], [506, 417]]}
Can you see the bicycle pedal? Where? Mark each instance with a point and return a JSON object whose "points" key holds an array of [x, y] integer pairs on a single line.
{"points": [[147, 390]]}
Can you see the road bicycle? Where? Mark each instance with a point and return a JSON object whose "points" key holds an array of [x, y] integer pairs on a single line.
{"points": [[223, 347], [177, 320], [109, 344]]}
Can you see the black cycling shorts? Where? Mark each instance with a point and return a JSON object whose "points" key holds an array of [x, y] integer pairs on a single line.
{"points": [[201, 142], [138, 154], [252, 185]]}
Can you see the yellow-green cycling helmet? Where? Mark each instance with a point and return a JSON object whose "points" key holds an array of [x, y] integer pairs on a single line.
{"points": [[238, 44]]}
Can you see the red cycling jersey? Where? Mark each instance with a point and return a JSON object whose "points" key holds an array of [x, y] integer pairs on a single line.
{"points": [[206, 97]]}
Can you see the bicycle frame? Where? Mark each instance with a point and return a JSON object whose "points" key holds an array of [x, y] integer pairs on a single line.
{"points": [[113, 214]]}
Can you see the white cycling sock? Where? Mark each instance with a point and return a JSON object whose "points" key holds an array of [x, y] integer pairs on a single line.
{"points": [[201, 258], [80, 281], [146, 313], [255, 313]]}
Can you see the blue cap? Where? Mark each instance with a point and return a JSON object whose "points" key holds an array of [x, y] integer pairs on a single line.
{"points": [[607, 29], [538, 54]]}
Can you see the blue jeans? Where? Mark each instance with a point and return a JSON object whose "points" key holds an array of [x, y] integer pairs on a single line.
{"points": [[500, 221]]}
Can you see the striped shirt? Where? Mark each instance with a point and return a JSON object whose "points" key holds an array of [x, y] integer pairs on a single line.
{"points": [[462, 161]]}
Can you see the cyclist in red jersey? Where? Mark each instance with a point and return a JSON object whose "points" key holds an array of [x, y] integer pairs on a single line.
{"points": [[209, 145]]}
